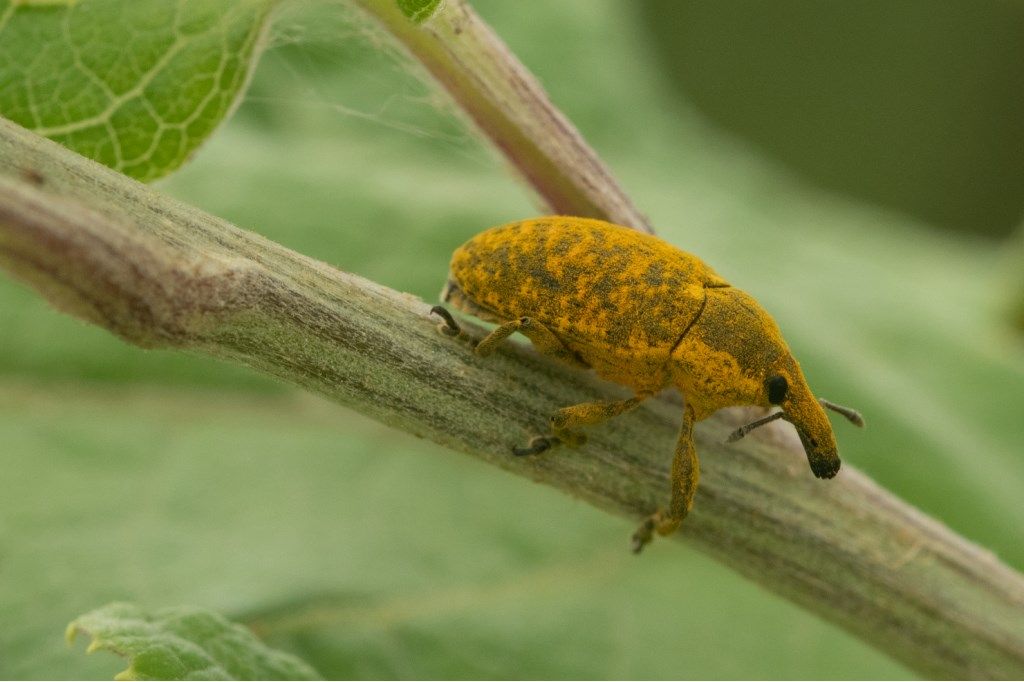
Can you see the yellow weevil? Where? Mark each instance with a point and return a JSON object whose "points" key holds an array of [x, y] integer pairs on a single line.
{"points": [[643, 314]]}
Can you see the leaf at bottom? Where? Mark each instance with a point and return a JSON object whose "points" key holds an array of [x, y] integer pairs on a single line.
{"points": [[182, 643]]}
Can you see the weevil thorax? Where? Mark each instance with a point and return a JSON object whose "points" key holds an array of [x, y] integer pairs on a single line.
{"points": [[734, 354]]}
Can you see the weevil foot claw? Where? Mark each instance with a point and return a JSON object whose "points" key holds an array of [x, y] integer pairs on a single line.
{"points": [[449, 327], [536, 446], [659, 522], [643, 535]]}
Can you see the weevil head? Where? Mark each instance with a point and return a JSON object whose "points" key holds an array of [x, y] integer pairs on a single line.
{"points": [[786, 387], [734, 354]]}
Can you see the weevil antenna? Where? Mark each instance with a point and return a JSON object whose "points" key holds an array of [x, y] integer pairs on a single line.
{"points": [[747, 428], [853, 415]]}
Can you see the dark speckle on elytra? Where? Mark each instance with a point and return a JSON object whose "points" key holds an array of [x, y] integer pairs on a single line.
{"points": [[558, 247], [546, 278], [655, 274]]}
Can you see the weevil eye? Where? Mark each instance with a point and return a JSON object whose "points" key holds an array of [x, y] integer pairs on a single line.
{"points": [[777, 387]]}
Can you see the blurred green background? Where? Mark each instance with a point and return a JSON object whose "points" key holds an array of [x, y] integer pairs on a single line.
{"points": [[911, 104], [165, 478]]}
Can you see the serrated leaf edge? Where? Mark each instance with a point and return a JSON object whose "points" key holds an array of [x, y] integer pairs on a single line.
{"points": [[97, 643]]}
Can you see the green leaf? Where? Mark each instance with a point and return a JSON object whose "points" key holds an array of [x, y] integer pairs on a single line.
{"points": [[135, 85], [184, 643], [418, 10]]}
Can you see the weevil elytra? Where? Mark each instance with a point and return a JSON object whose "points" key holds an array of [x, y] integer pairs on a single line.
{"points": [[645, 315]]}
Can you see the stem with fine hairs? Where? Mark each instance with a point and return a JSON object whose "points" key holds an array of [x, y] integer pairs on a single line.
{"points": [[508, 105]]}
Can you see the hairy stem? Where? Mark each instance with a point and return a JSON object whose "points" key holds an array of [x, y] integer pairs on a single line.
{"points": [[162, 274], [510, 107]]}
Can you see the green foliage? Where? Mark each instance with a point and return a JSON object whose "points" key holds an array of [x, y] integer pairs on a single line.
{"points": [[135, 85], [184, 644], [914, 107], [418, 10], [160, 478], [1014, 285]]}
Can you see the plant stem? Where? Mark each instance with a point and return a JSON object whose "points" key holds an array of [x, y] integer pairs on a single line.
{"points": [[510, 107], [159, 273]]}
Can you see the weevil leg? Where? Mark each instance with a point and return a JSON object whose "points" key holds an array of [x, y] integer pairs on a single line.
{"points": [[504, 330], [565, 421], [548, 343], [542, 338], [685, 475]]}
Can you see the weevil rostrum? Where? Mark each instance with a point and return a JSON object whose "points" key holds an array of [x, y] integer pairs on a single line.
{"points": [[643, 314]]}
